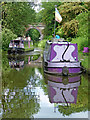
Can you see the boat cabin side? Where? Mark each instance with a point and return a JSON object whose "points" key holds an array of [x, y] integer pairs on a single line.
{"points": [[16, 44], [61, 51]]}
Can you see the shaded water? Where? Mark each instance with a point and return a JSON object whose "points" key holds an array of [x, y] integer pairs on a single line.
{"points": [[29, 93]]}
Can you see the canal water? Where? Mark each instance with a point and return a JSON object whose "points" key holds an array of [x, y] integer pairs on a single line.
{"points": [[27, 92]]}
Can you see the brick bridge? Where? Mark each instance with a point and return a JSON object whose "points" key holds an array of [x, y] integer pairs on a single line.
{"points": [[38, 27]]}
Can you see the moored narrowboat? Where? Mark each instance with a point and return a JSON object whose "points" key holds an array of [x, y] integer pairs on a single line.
{"points": [[16, 46], [61, 57]]}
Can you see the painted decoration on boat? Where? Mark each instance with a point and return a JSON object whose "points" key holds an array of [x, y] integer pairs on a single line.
{"points": [[59, 52]]}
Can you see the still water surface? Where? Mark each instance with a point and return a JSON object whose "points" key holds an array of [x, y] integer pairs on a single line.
{"points": [[29, 93]]}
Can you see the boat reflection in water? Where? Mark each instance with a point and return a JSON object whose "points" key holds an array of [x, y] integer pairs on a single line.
{"points": [[19, 62], [63, 89], [16, 62]]}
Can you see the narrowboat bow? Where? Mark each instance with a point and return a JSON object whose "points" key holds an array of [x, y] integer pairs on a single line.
{"points": [[61, 57]]}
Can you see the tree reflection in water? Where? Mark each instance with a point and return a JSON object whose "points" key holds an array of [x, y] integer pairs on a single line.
{"points": [[19, 99], [20, 103]]}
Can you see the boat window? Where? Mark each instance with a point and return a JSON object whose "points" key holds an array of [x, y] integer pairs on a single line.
{"points": [[47, 51], [16, 42], [47, 46]]}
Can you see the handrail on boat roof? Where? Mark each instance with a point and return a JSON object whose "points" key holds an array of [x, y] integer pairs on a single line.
{"points": [[17, 39], [55, 40]]}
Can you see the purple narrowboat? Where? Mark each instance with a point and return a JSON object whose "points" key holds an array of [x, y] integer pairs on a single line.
{"points": [[61, 57]]}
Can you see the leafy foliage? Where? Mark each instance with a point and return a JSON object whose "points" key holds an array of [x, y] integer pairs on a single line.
{"points": [[16, 16], [68, 11], [42, 43], [69, 29], [81, 42], [7, 35], [34, 34], [48, 16], [83, 24], [82, 34], [39, 16], [85, 61]]}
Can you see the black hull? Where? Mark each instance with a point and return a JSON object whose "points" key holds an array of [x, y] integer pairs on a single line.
{"points": [[16, 50]]}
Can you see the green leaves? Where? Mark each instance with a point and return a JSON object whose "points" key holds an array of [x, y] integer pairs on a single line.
{"points": [[70, 28], [7, 35], [48, 17], [83, 24], [70, 23], [17, 15], [34, 34], [82, 34], [42, 43], [68, 11], [15, 18]]}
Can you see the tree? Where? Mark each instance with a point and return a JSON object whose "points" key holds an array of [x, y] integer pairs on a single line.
{"points": [[34, 34], [69, 11], [22, 104], [48, 17], [16, 16], [39, 16], [7, 35]]}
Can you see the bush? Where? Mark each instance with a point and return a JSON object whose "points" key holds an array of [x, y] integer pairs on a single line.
{"points": [[69, 29], [60, 32], [42, 43], [49, 38], [69, 10], [7, 35], [82, 34], [74, 15], [83, 24], [81, 41]]}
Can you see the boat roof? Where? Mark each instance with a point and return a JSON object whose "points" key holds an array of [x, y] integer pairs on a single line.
{"points": [[18, 39], [58, 41]]}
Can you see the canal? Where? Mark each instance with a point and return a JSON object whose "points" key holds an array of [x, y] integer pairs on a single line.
{"points": [[27, 92]]}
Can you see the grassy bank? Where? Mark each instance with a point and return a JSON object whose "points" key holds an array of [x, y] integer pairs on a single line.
{"points": [[42, 43], [85, 61]]}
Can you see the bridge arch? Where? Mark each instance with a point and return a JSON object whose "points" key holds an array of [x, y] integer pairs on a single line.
{"points": [[38, 27]]}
